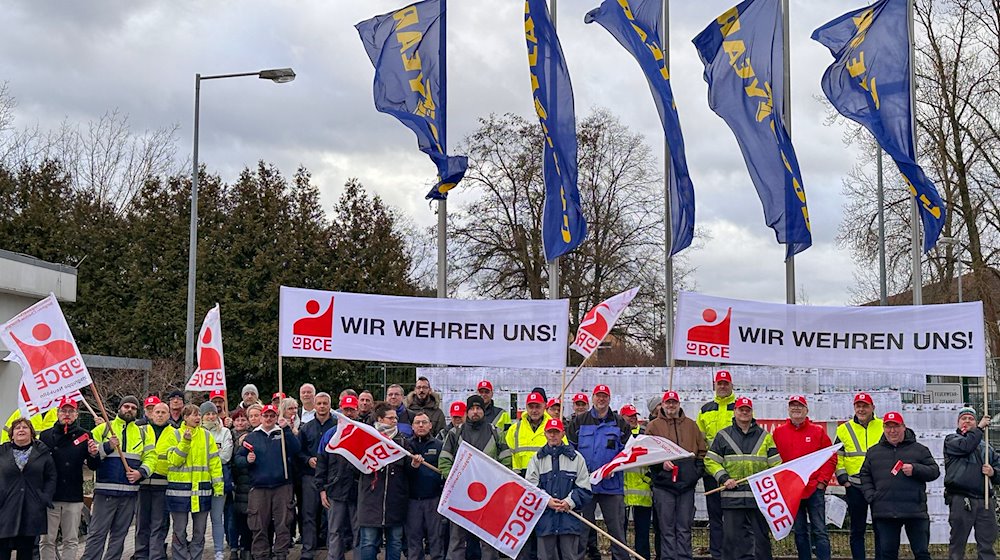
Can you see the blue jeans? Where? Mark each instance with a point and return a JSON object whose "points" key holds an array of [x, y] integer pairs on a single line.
{"points": [[370, 540], [813, 508]]}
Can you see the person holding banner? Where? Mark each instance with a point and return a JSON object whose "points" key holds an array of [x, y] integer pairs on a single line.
{"points": [[337, 483], [152, 522], [562, 473], [965, 466], [28, 482], [72, 448], [857, 436], [117, 486], [894, 480], [737, 452], [674, 481], [716, 415]]}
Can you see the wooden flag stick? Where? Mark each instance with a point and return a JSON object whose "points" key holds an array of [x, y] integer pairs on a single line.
{"points": [[986, 433], [576, 372], [284, 454], [107, 424], [721, 488], [605, 533]]}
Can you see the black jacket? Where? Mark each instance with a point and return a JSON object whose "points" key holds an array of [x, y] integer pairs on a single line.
{"points": [[898, 496], [425, 483], [963, 464], [241, 477], [25, 496], [309, 435], [337, 476], [382, 495], [68, 445]]}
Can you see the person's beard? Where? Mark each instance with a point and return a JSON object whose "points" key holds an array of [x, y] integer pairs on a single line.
{"points": [[127, 416]]}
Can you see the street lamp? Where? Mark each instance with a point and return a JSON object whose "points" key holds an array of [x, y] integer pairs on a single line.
{"points": [[954, 242], [276, 75]]}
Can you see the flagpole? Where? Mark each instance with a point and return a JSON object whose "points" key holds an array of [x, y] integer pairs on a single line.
{"points": [[575, 373], [787, 116], [284, 454], [918, 285], [668, 315], [986, 436], [442, 206], [107, 423], [554, 263], [605, 533], [883, 294]]}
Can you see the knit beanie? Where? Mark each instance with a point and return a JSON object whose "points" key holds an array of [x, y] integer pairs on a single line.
{"points": [[475, 400], [967, 410], [208, 406], [129, 400], [249, 388]]}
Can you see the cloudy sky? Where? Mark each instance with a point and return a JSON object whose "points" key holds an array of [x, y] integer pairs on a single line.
{"points": [[77, 60]]}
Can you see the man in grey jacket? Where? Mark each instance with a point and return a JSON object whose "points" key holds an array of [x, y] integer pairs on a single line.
{"points": [[965, 473]]}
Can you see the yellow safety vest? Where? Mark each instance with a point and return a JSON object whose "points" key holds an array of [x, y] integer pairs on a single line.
{"points": [[857, 439], [733, 455], [524, 442], [195, 470], [715, 416], [637, 489]]}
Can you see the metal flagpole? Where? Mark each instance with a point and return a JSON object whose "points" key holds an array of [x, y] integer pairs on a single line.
{"points": [[668, 314], [883, 294], [787, 116], [986, 437], [442, 233], [918, 284], [554, 263]]}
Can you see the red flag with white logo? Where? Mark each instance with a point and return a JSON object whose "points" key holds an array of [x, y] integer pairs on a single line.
{"points": [[363, 445], [491, 502], [40, 342], [641, 451], [210, 375], [779, 490], [598, 322]]}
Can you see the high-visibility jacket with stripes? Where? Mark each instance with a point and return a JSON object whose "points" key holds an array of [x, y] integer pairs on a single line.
{"points": [[737, 454], [158, 477], [41, 422], [524, 442], [136, 446], [637, 481], [195, 469], [497, 416], [856, 439], [716, 415]]}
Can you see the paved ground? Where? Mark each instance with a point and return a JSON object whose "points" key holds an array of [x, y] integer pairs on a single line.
{"points": [[293, 554]]}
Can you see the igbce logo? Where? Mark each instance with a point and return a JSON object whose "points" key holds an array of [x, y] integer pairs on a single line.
{"points": [[314, 332], [52, 361], [593, 328], [710, 340]]}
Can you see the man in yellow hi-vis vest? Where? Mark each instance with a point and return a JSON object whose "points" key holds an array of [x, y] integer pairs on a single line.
{"points": [[527, 435], [857, 435], [715, 415]]}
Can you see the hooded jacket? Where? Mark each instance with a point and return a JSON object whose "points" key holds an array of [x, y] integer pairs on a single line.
{"points": [[562, 473], [431, 406], [684, 432], [898, 496], [69, 447], [964, 454]]}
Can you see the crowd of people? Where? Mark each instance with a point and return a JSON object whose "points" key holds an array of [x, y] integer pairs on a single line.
{"points": [[260, 473]]}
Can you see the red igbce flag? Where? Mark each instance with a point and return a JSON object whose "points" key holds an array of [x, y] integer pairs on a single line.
{"points": [[363, 445]]}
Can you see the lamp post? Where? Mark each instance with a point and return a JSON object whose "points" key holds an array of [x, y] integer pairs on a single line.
{"points": [[954, 242], [276, 75]]}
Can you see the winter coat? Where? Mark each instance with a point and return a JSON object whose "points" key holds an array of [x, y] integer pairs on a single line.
{"points": [[267, 471], [69, 448], [382, 495], [737, 454], [795, 441], [335, 474], [570, 481], [898, 496], [241, 478], [139, 451], [599, 440], [309, 437], [684, 432], [26, 495], [431, 407], [425, 483], [404, 422], [963, 464]]}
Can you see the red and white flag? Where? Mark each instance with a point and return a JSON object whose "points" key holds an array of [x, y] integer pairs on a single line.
{"points": [[779, 490], [40, 342], [28, 407], [597, 323], [210, 375], [641, 451], [491, 502], [363, 445]]}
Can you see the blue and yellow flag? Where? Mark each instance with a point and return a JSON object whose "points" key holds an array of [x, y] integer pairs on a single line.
{"points": [[636, 24], [869, 83], [563, 224], [405, 47], [750, 98]]}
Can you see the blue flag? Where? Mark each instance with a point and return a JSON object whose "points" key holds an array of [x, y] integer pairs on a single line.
{"points": [[750, 98], [563, 224], [636, 24], [869, 83], [405, 47]]}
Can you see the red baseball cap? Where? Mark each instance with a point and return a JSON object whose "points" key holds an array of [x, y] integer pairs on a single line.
{"points": [[580, 397], [349, 401], [723, 375], [894, 417], [536, 398], [68, 402], [628, 410], [151, 400], [553, 402], [484, 384], [217, 394], [671, 396], [801, 399], [268, 408], [602, 389], [554, 424], [743, 401], [864, 397], [457, 408], [278, 396]]}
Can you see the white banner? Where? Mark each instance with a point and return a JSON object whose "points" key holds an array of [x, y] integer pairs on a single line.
{"points": [[641, 451], [929, 339], [599, 321], [40, 342], [491, 502], [346, 326], [210, 375]]}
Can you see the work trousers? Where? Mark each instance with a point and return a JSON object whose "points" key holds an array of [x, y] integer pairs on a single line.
{"points": [[713, 502], [65, 516], [918, 531], [962, 522], [180, 547], [746, 535], [558, 547], [339, 514], [810, 528], [267, 508], [110, 520], [675, 515], [457, 544], [857, 511], [613, 509], [152, 523], [423, 522], [313, 517], [642, 517]]}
